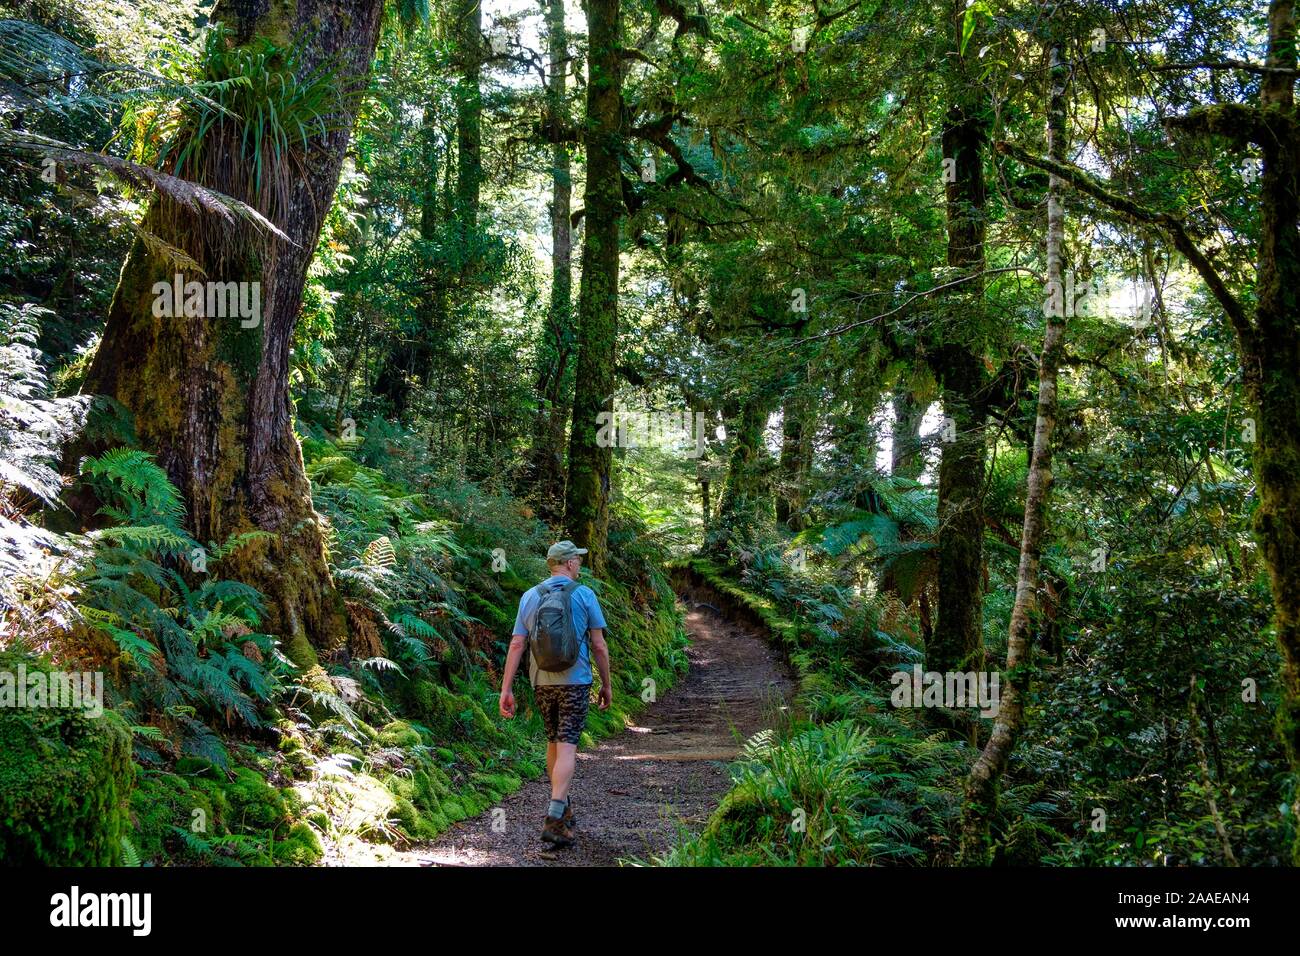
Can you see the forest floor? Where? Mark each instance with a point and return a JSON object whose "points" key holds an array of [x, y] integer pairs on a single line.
{"points": [[635, 793]]}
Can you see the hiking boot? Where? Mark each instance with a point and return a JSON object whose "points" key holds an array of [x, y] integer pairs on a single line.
{"points": [[557, 832]]}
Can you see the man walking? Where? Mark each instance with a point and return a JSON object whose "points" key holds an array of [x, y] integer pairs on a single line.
{"points": [[561, 622]]}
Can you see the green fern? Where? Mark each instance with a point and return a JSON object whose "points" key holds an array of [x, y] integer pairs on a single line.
{"points": [[130, 856], [135, 490]]}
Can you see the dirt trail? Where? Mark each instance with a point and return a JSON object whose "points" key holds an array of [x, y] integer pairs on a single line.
{"points": [[633, 793]]}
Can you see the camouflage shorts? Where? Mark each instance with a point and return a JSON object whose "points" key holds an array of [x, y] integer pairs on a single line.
{"points": [[564, 710]]}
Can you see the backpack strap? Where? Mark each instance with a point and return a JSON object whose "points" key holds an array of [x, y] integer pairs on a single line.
{"points": [[568, 588]]}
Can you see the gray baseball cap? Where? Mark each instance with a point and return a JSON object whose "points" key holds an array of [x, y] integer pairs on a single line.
{"points": [[563, 551]]}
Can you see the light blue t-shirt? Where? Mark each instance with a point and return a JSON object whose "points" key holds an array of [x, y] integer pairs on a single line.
{"points": [[586, 615]]}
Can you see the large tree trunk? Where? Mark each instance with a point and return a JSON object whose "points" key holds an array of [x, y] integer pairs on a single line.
{"points": [[547, 472], [982, 784], [586, 511], [211, 398], [1271, 362], [956, 644]]}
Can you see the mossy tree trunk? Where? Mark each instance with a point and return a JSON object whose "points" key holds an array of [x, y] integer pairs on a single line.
{"points": [[210, 397], [905, 458], [747, 503], [1270, 354], [468, 29], [586, 509], [905, 461], [956, 642]]}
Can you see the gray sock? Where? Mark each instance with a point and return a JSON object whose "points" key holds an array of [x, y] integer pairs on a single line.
{"points": [[556, 809]]}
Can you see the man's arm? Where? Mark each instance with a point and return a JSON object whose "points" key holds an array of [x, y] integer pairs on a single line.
{"points": [[506, 704], [601, 652]]}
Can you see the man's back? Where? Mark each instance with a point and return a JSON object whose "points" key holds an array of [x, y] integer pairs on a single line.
{"points": [[586, 614]]}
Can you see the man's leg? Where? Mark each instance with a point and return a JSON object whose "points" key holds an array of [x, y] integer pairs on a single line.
{"points": [[572, 719], [562, 768], [565, 730], [550, 760]]}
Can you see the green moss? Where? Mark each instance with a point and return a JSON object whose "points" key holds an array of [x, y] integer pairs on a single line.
{"points": [[739, 816], [300, 848], [454, 809], [408, 818], [502, 783], [420, 699], [196, 767], [255, 804], [482, 725], [399, 734], [494, 616], [65, 782]]}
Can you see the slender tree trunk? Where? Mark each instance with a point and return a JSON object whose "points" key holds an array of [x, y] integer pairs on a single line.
{"points": [[554, 350], [906, 460], [796, 459], [706, 503], [586, 511], [1207, 782], [982, 784], [350, 369], [956, 643], [468, 28], [211, 398]]}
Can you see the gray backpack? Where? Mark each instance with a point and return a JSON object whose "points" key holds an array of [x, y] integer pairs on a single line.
{"points": [[553, 642]]}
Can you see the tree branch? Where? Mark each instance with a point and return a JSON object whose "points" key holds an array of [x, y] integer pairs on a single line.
{"points": [[1172, 225], [1235, 121], [1221, 65]]}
